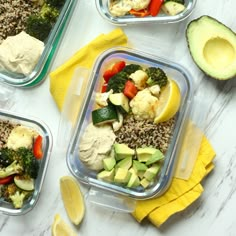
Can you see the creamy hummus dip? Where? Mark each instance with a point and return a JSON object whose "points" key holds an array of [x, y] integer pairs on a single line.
{"points": [[95, 144], [121, 7], [20, 53], [21, 136]]}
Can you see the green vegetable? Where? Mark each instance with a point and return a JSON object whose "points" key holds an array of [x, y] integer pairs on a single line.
{"points": [[29, 162], [13, 168], [38, 27], [156, 76], [131, 68], [117, 82], [49, 12], [178, 1], [56, 3]]}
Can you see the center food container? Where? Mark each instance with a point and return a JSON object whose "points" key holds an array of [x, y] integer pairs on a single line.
{"points": [[51, 46], [43, 130], [161, 18], [173, 71]]}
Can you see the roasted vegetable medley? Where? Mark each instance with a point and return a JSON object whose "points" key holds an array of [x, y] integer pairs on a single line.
{"points": [[20, 154], [132, 124], [143, 8]]}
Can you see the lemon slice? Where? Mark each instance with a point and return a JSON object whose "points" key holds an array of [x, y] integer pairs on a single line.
{"points": [[72, 198], [61, 228], [169, 102]]}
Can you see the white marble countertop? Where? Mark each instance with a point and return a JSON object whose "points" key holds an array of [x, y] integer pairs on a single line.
{"points": [[214, 212]]}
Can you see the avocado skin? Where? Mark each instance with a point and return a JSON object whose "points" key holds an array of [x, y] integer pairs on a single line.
{"points": [[188, 44]]}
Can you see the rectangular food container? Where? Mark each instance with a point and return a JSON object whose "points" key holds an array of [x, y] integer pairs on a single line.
{"points": [[175, 72], [43, 130], [161, 18], [50, 49]]}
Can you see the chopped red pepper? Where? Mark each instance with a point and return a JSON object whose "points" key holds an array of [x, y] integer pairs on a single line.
{"points": [[117, 67], [141, 13], [155, 7], [6, 180], [130, 89], [37, 148], [104, 88]]}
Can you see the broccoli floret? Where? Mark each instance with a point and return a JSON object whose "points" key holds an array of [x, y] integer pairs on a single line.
{"points": [[13, 168], [131, 68], [156, 76], [18, 198], [49, 12], [56, 3], [29, 162], [38, 27], [117, 82]]}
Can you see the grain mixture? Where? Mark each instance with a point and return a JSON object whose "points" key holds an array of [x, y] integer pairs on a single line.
{"points": [[5, 129], [141, 133], [13, 16]]}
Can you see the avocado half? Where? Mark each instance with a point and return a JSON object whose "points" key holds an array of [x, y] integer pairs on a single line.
{"points": [[212, 46]]}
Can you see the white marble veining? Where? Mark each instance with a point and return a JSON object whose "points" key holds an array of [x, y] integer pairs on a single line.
{"points": [[214, 212]]}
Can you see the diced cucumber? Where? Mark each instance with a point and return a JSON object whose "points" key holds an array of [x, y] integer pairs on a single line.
{"points": [[104, 115], [120, 101]]}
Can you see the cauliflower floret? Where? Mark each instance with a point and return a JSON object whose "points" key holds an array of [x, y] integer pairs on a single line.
{"points": [[101, 98], [139, 77], [155, 90], [138, 4], [144, 105]]}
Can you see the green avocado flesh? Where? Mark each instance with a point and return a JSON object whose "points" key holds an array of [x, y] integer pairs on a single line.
{"points": [[212, 46]]}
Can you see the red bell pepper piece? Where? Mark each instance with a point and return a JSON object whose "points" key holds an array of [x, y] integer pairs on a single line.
{"points": [[117, 67], [155, 7], [104, 88], [130, 89], [141, 13], [37, 148], [6, 180]]}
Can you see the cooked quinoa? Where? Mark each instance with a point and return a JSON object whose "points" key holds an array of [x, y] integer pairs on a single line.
{"points": [[5, 129], [13, 16], [141, 133]]}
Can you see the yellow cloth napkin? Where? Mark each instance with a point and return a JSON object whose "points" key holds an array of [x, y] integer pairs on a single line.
{"points": [[181, 193], [85, 57]]}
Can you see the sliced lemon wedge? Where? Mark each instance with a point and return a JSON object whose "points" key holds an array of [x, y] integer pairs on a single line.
{"points": [[61, 228], [72, 198], [169, 102]]}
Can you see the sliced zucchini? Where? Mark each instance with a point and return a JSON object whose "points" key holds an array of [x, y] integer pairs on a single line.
{"points": [[26, 184], [104, 115], [120, 101]]}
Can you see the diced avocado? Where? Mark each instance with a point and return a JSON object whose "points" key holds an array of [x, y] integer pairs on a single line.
{"points": [[106, 175], [151, 172], [212, 46], [157, 156], [144, 182], [133, 181], [122, 176], [141, 174], [138, 166], [144, 154], [109, 163], [172, 8], [132, 171], [125, 163], [122, 151]]}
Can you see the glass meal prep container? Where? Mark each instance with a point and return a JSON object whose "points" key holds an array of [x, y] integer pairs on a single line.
{"points": [[161, 18], [50, 47], [173, 71], [42, 129]]}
